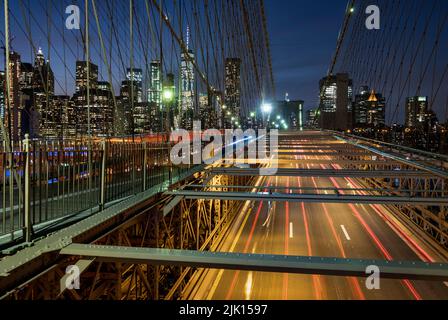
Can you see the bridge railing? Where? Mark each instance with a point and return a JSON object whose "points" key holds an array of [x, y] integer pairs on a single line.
{"points": [[425, 158], [45, 181]]}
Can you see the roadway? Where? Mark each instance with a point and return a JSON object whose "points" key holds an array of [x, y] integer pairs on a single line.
{"points": [[313, 229]]}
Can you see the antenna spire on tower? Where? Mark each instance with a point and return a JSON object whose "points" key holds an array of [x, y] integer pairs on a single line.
{"points": [[188, 38]]}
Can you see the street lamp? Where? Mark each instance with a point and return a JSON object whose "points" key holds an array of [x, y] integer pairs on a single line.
{"points": [[266, 108], [168, 94], [168, 99]]}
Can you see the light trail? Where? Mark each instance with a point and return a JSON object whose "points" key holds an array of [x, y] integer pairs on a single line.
{"points": [[424, 256], [316, 279], [344, 230], [235, 242], [377, 241], [249, 286], [246, 248], [287, 232], [354, 231], [354, 284]]}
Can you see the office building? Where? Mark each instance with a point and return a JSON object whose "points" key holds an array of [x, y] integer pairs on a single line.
{"points": [[155, 88], [105, 109], [336, 102], [137, 78], [2, 95], [207, 111], [232, 82], [187, 86], [129, 99], [93, 116], [13, 112], [81, 76], [311, 118], [417, 111], [369, 109], [49, 116]]}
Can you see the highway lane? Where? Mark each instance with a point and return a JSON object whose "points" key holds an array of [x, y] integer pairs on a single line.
{"points": [[391, 241], [330, 230]]}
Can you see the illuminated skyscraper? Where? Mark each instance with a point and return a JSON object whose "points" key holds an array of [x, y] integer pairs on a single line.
{"points": [[207, 111], [421, 124], [155, 88], [42, 76], [49, 116], [336, 102], [311, 118], [187, 77], [66, 115], [105, 109], [13, 114], [138, 82], [83, 107], [135, 112], [81, 76], [417, 111], [129, 100], [2, 95], [39, 60], [26, 76], [369, 109], [232, 94]]}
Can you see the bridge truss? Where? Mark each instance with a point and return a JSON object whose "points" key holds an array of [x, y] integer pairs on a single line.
{"points": [[187, 220]]}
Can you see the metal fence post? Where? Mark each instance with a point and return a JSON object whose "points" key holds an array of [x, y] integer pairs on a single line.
{"points": [[145, 164], [103, 176], [133, 152], [28, 226], [170, 165]]}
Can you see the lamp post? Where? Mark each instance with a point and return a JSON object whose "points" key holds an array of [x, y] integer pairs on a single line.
{"points": [[168, 94], [266, 109], [253, 120], [168, 98]]}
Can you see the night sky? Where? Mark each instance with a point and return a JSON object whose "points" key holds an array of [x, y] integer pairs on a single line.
{"points": [[303, 37]]}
